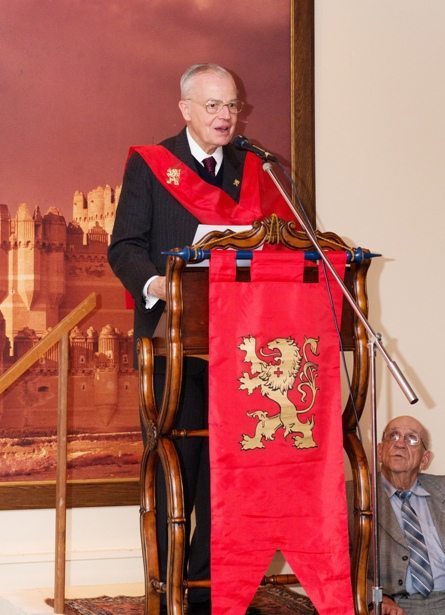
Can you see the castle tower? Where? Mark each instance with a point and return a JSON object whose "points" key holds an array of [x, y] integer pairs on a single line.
{"points": [[75, 237], [97, 234], [5, 230], [91, 345], [3, 345], [117, 194], [38, 230], [106, 382], [96, 207], [24, 341], [80, 210], [35, 268], [126, 352], [109, 209], [53, 263], [27, 273], [78, 360], [109, 347]]}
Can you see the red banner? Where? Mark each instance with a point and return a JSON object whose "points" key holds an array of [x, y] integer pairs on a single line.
{"points": [[276, 444]]}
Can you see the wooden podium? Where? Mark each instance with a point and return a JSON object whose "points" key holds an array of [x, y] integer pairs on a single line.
{"points": [[183, 331]]}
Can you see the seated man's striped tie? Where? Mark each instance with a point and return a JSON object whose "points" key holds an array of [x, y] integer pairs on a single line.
{"points": [[419, 562]]}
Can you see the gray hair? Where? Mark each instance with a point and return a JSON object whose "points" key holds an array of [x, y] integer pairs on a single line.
{"points": [[198, 69]]}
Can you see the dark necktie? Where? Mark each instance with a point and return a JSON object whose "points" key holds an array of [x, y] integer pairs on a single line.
{"points": [[210, 165], [419, 562]]}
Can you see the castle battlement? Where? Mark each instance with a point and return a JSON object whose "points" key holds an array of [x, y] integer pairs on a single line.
{"points": [[108, 349], [98, 207], [48, 266]]}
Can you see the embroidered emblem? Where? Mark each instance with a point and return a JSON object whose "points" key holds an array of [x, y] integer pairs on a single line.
{"points": [[236, 183], [275, 379], [173, 176]]}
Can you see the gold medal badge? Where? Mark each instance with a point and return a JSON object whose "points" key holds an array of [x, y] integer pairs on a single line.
{"points": [[173, 176]]}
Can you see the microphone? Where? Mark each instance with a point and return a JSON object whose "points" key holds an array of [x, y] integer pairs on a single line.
{"points": [[242, 142]]}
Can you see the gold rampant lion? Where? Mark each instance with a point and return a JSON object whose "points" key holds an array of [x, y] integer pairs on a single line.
{"points": [[275, 379]]}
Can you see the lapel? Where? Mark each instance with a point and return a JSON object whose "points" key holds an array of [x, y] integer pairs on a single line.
{"points": [[179, 147], [387, 519], [232, 172]]}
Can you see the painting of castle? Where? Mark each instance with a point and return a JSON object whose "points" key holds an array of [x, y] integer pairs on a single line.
{"points": [[47, 267], [96, 96]]}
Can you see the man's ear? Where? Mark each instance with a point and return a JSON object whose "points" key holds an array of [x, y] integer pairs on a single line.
{"points": [[426, 460], [379, 452], [184, 108]]}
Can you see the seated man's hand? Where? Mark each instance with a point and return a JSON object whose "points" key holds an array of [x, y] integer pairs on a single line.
{"points": [[389, 607]]}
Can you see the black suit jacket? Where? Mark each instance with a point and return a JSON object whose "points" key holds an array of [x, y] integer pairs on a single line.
{"points": [[149, 220]]}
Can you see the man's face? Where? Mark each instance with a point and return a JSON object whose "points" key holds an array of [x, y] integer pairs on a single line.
{"points": [[210, 131], [399, 457]]}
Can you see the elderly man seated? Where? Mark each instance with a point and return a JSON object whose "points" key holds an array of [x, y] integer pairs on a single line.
{"points": [[411, 522]]}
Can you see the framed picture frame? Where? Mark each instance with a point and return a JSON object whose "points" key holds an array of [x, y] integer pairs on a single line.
{"points": [[115, 492]]}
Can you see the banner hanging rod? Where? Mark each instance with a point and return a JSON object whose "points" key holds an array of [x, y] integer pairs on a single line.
{"points": [[191, 254]]}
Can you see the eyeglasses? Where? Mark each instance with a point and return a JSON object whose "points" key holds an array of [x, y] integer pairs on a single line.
{"points": [[412, 439], [215, 106]]}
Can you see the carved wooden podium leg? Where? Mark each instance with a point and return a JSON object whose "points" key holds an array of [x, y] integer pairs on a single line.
{"points": [[153, 586], [148, 415], [159, 448], [176, 527], [352, 413]]}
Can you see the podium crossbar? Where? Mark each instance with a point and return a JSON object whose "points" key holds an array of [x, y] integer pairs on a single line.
{"points": [[192, 254]]}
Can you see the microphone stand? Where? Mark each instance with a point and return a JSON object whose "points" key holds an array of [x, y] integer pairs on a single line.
{"points": [[374, 343]]}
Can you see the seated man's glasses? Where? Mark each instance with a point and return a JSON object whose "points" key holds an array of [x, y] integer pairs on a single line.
{"points": [[215, 106], [412, 439]]}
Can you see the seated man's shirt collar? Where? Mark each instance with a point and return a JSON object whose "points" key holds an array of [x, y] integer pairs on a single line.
{"points": [[390, 490]]}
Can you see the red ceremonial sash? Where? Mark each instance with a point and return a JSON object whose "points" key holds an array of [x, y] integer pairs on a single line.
{"points": [[276, 443], [209, 204]]}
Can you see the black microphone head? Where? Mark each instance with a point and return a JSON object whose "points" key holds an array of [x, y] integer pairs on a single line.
{"points": [[240, 141]]}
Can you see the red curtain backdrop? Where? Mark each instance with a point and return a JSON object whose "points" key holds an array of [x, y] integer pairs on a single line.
{"points": [[277, 469]]}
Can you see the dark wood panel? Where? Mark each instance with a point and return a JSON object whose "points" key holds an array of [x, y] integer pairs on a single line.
{"points": [[27, 495], [303, 103]]}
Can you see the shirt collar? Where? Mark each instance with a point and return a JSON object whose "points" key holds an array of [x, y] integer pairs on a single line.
{"points": [[200, 154], [417, 488]]}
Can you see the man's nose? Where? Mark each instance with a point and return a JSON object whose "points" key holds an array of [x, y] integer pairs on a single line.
{"points": [[400, 443], [225, 113]]}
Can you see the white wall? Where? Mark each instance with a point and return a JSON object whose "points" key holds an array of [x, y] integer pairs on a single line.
{"points": [[380, 130], [103, 547], [380, 136]]}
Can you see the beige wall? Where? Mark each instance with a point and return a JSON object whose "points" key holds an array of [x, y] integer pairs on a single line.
{"points": [[380, 130], [380, 139]]}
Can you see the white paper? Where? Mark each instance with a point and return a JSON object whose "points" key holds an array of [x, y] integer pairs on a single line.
{"points": [[203, 229]]}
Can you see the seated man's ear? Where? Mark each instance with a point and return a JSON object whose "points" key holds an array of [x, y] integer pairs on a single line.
{"points": [[426, 460]]}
